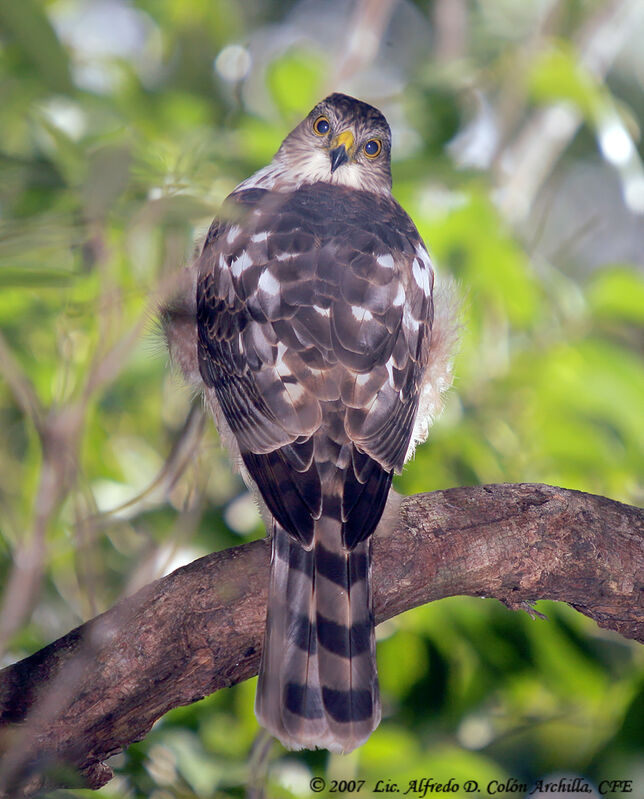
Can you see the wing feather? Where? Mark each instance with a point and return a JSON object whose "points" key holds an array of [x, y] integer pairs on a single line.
{"points": [[314, 318]]}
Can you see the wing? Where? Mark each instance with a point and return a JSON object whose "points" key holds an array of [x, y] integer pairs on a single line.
{"points": [[314, 318]]}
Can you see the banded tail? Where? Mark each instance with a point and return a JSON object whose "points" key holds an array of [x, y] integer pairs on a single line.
{"points": [[318, 684]]}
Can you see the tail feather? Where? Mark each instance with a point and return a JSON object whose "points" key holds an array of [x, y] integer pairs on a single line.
{"points": [[318, 685]]}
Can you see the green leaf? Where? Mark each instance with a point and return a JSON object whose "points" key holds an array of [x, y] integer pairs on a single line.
{"points": [[32, 32], [295, 81], [618, 293], [559, 75], [34, 278], [107, 179]]}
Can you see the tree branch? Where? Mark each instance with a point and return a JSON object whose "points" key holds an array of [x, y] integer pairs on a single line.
{"points": [[102, 686]]}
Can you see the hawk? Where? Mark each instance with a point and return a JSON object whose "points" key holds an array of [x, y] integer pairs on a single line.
{"points": [[311, 330]]}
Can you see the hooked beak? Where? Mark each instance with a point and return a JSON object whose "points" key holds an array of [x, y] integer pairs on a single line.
{"points": [[338, 157], [341, 148]]}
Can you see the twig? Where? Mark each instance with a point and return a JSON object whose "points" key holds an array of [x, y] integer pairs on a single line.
{"points": [[528, 161]]}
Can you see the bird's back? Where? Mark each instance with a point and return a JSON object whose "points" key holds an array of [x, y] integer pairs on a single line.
{"points": [[314, 314]]}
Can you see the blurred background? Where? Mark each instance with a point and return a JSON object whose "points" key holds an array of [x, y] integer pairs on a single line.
{"points": [[518, 153]]}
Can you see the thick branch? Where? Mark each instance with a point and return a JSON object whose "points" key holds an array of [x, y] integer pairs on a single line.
{"points": [[102, 686]]}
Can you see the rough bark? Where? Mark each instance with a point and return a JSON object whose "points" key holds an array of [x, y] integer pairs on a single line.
{"points": [[102, 686]]}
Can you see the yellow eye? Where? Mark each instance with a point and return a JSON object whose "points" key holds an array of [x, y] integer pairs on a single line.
{"points": [[372, 148], [321, 126]]}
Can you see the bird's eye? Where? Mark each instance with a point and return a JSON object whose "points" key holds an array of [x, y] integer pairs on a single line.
{"points": [[372, 148], [321, 126]]}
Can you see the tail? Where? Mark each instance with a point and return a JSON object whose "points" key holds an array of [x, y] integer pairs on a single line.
{"points": [[318, 685]]}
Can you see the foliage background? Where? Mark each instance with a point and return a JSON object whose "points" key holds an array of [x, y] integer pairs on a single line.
{"points": [[518, 154]]}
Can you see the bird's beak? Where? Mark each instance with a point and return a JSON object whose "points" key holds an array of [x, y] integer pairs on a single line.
{"points": [[341, 148]]}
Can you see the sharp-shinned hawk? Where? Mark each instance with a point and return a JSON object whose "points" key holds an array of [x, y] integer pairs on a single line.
{"points": [[322, 361]]}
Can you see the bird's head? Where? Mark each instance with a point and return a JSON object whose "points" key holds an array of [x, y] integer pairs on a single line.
{"points": [[342, 141]]}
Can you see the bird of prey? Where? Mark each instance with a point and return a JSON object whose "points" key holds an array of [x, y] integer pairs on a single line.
{"points": [[310, 327]]}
